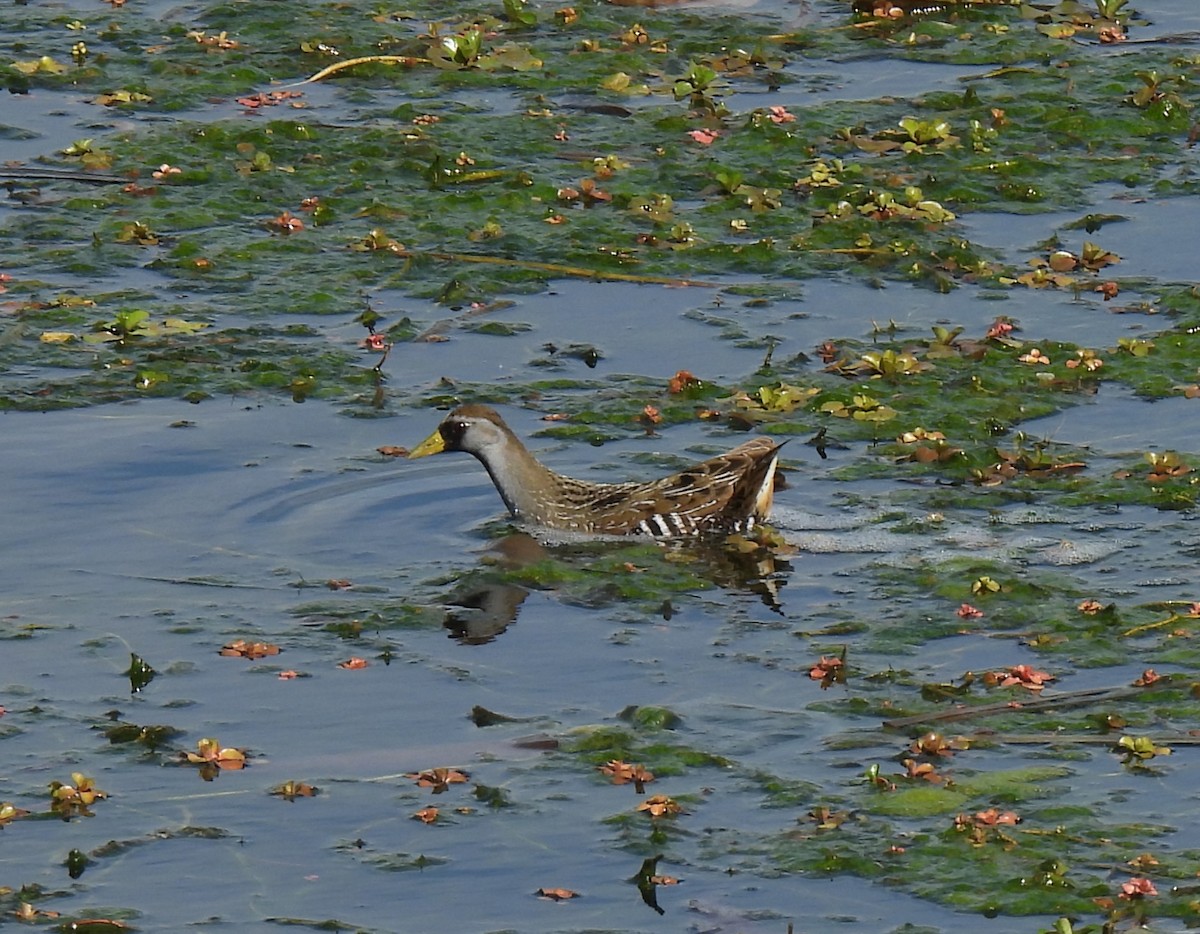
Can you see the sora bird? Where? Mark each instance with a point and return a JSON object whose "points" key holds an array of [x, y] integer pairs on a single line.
{"points": [[724, 494]]}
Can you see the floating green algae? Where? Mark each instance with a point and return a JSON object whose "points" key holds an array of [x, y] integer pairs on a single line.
{"points": [[425, 192], [427, 198]]}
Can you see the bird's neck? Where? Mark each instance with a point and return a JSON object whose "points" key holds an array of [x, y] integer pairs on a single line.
{"points": [[523, 482]]}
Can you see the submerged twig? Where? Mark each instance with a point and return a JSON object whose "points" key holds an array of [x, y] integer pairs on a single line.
{"points": [[1157, 624], [57, 175], [1077, 739], [364, 60], [581, 272], [1031, 705]]}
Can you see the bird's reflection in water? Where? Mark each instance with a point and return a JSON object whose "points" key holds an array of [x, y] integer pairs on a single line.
{"points": [[487, 599], [481, 613]]}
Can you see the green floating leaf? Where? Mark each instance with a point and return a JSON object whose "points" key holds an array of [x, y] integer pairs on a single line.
{"points": [[518, 11], [76, 862], [512, 57], [149, 736], [39, 66], [139, 673]]}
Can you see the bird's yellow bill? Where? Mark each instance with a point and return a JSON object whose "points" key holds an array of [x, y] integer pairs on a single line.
{"points": [[434, 444]]}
